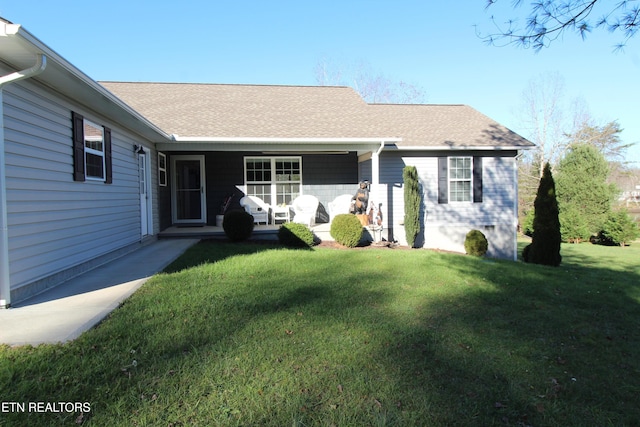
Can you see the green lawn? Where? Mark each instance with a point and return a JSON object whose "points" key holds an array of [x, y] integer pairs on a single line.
{"points": [[253, 334]]}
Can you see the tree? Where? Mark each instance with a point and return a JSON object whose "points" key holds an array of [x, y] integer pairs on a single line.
{"points": [[373, 87], [411, 204], [620, 228], [545, 243], [542, 113], [583, 190], [548, 20], [605, 139]]}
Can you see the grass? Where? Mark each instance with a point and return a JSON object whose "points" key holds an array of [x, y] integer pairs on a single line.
{"points": [[242, 334]]}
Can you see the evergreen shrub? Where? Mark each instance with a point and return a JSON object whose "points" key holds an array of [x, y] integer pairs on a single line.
{"points": [[238, 225], [346, 230], [545, 243], [295, 235], [412, 200], [475, 243], [619, 229]]}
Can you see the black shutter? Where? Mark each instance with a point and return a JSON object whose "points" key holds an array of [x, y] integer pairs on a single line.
{"points": [[477, 180], [108, 172], [443, 180], [77, 122]]}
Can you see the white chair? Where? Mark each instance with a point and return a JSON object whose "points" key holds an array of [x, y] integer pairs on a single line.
{"points": [[304, 209], [340, 205], [257, 208]]}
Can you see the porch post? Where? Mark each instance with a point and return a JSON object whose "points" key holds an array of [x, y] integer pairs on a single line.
{"points": [[375, 174]]}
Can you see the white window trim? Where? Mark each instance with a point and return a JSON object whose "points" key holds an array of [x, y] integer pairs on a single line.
{"points": [[102, 154], [450, 180], [162, 159], [273, 182]]}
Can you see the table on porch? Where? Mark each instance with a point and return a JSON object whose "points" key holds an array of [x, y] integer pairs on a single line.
{"points": [[281, 213]]}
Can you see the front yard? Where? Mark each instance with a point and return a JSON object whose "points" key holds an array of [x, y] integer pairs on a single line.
{"points": [[250, 334]]}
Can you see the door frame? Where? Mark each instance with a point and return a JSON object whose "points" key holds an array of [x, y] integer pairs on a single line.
{"points": [[203, 190]]}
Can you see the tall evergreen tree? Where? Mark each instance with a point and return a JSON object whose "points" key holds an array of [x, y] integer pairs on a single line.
{"points": [[411, 204], [545, 244], [583, 191]]}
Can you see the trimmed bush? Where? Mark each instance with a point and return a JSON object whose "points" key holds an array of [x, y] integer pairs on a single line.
{"points": [[545, 243], [412, 200], [475, 243], [619, 229], [238, 225], [295, 235], [346, 230]]}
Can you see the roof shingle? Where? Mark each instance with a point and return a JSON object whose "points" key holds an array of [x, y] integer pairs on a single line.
{"points": [[256, 111]]}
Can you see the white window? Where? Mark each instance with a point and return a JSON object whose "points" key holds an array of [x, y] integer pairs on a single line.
{"points": [[460, 179], [276, 180], [94, 151], [162, 170]]}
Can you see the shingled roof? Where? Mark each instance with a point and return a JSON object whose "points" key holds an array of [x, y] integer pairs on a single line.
{"points": [[453, 126], [250, 111], [256, 111]]}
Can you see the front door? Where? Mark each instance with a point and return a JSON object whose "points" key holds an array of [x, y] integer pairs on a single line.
{"points": [[143, 176], [188, 181]]}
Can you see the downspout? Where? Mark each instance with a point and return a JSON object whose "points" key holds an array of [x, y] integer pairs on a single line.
{"points": [[516, 203], [5, 282]]}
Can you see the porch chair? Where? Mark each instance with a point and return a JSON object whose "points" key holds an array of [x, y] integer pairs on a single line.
{"points": [[257, 208], [340, 205], [304, 209]]}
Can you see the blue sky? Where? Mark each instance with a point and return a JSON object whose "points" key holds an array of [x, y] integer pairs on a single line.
{"points": [[432, 45]]}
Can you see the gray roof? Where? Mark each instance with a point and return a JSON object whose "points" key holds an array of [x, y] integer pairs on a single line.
{"points": [[452, 126], [255, 111]]}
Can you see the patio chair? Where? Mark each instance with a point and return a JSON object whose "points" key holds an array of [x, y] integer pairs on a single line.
{"points": [[257, 208], [304, 209], [340, 205]]}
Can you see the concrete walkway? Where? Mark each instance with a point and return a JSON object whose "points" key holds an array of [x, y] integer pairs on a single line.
{"points": [[63, 313]]}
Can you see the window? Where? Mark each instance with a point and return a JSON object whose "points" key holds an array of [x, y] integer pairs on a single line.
{"points": [[460, 179], [276, 180], [91, 151], [162, 170]]}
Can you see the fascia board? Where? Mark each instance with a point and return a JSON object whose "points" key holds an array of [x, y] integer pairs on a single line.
{"points": [[63, 77]]}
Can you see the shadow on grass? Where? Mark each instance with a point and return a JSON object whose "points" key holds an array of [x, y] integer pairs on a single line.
{"points": [[355, 342]]}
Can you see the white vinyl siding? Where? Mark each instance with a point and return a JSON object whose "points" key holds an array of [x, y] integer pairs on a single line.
{"points": [[54, 222], [446, 224]]}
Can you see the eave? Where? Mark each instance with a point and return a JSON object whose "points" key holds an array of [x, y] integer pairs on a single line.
{"points": [[19, 50]]}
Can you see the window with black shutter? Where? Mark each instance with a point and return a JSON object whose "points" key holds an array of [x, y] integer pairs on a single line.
{"points": [[91, 151]]}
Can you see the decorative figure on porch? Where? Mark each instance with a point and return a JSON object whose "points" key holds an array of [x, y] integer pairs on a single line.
{"points": [[361, 198]]}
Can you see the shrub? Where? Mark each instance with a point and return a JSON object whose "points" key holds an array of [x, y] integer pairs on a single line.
{"points": [[574, 228], [411, 204], [346, 230], [545, 243], [619, 228], [295, 235], [238, 225], [475, 243]]}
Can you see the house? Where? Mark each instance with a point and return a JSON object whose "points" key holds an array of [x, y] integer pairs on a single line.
{"points": [[90, 170]]}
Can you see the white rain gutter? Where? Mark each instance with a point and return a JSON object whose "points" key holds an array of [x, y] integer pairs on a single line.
{"points": [[5, 283]]}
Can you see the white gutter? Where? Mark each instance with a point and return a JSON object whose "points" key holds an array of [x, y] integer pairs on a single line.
{"points": [[178, 138], [5, 283], [459, 147]]}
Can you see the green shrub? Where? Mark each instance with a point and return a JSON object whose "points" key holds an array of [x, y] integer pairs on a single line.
{"points": [[475, 243], [346, 230], [412, 200], [295, 235], [238, 225], [619, 229], [546, 240]]}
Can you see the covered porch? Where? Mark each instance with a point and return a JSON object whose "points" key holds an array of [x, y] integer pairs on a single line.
{"points": [[260, 232]]}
